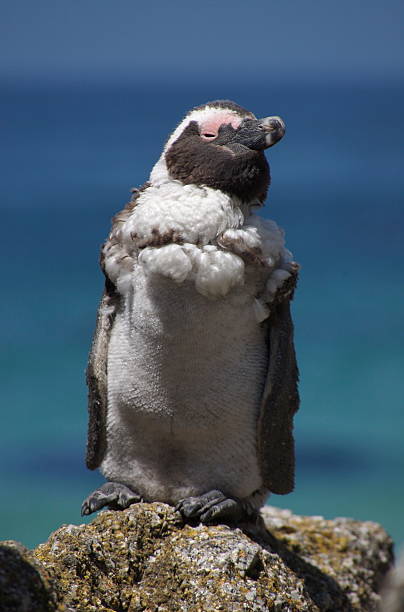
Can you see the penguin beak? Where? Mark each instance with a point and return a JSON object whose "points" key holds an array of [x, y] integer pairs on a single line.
{"points": [[274, 128]]}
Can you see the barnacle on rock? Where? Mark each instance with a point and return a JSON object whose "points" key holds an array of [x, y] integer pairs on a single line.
{"points": [[145, 558]]}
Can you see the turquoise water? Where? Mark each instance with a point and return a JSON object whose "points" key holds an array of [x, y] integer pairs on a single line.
{"points": [[71, 154]]}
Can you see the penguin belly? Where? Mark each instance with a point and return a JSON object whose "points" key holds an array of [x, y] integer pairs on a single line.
{"points": [[185, 378]]}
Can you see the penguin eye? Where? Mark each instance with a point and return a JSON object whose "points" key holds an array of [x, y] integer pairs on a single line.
{"points": [[208, 135]]}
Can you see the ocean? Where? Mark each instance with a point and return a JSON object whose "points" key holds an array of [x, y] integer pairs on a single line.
{"points": [[72, 151]]}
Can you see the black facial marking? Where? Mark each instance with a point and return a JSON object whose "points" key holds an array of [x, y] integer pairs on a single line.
{"points": [[225, 163], [226, 134], [251, 135]]}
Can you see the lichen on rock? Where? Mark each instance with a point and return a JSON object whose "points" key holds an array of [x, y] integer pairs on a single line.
{"points": [[146, 559]]}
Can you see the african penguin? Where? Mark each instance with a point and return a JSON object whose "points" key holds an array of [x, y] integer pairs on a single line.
{"points": [[192, 374]]}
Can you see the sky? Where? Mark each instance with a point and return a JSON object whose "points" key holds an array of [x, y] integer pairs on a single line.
{"points": [[130, 39]]}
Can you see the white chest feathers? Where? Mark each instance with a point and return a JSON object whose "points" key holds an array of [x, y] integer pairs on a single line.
{"points": [[199, 234], [196, 214]]}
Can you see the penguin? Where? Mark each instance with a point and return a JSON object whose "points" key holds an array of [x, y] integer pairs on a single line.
{"points": [[192, 375]]}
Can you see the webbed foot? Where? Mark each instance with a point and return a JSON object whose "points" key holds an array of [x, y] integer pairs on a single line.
{"points": [[212, 507], [112, 494]]}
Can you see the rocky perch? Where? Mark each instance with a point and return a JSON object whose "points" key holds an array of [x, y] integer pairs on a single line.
{"points": [[146, 559]]}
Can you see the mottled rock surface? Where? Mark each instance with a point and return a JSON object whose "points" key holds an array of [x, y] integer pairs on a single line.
{"points": [[146, 559]]}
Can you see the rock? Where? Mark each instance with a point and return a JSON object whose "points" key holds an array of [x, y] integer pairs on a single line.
{"points": [[25, 585], [145, 559]]}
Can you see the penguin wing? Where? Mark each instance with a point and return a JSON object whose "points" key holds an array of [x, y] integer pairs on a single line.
{"points": [[280, 401], [97, 380], [114, 256]]}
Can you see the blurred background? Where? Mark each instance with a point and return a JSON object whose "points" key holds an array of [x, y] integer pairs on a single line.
{"points": [[89, 93]]}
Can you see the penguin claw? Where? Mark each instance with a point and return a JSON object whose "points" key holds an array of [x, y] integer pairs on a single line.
{"points": [[229, 510], [211, 507], [115, 495], [193, 507]]}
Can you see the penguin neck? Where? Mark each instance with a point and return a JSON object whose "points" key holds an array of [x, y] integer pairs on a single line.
{"points": [[160, 176]]}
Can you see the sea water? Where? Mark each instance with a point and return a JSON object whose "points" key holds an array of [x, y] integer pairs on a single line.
{"points": [[72, 151]]}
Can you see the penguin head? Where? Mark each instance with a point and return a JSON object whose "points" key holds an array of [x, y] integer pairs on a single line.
{"points": [[221, 145]]}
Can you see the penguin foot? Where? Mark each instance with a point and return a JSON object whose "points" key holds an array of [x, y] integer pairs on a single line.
{"points": [[112, 494], [212, 507]]}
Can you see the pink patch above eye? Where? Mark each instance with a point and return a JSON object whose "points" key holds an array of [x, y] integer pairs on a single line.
{"points": [[210, 127]]}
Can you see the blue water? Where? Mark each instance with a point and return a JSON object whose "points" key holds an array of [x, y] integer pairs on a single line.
{"points": [[71, 152]]}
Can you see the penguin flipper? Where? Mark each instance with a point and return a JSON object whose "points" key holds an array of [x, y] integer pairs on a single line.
{"points": [[112, 251], [280, 402], [96, 376]]}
